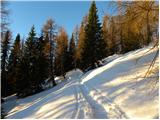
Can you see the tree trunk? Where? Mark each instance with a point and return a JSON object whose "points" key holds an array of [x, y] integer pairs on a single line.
{"points": [[148, 29], [121, 40]]}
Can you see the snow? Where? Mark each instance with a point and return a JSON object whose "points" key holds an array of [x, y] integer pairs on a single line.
{"points": [[47, 84], [110, 58], [119, 82], [115, 90]]}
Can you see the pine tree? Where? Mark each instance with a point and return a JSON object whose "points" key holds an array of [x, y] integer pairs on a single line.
{"points": [[72, 53], [14, 60], [94, 45], [33, 67], [27, 68], [42, 62], [4, 61], [22, 82], [21, 73]]}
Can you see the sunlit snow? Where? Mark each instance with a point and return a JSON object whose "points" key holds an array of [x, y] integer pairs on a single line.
{"points": [[115, 90]]}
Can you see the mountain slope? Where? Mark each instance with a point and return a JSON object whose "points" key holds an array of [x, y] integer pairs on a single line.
{"points": [[116, 90], [122, 83]]}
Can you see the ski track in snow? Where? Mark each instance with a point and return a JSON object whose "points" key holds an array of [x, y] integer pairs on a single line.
{"points": [[92, 106], [83, 108], [113, 110]]}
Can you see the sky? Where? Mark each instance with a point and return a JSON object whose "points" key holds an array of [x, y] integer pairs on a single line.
{"points": [[23, 15]]}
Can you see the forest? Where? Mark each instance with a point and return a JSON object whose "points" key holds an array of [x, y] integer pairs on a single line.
{"points": [[25, 64]]}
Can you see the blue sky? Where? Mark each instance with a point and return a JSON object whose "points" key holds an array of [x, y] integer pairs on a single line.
{"points": [[67, 14]]}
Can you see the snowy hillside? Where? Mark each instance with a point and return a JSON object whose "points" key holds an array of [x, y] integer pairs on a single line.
{"points": [[116, 90]]}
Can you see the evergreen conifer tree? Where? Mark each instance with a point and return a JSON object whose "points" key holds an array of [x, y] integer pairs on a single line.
{"points": [[14, 60], [42, 62], [27, 83], [94, 45], [4, 60], [72, 53]]}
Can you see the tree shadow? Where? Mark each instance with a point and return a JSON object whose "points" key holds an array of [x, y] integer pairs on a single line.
{"points": [[36, 100]]}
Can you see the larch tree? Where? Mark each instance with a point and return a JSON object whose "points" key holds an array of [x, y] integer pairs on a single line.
{"points": [[105, 28], [80, 43], [61, 57], [5, 45], [120, 28], [4, 18], [112, 36], [49, 30], [142, 13]]}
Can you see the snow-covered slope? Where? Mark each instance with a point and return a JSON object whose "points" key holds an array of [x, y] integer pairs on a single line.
{"points": [[116, 90], [121, 84]]}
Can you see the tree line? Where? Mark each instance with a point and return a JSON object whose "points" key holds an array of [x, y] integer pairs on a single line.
{"points": [[26, 64]]}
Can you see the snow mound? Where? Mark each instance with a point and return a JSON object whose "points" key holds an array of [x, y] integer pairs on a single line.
{"points": [[47, 84], [74, 74], [110, 58]]}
